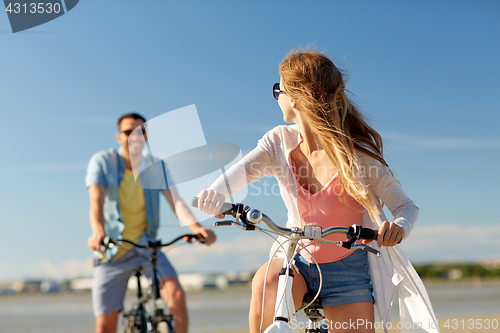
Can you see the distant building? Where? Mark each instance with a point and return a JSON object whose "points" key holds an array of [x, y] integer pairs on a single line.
{"points": [[48, 287], [198, 281], [455, 274], [190, 281], [27, 286], [6, 288], [82, 284]]}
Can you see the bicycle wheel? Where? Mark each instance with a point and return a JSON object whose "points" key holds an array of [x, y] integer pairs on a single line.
{"points": [[134, 323], [164, 324], [128, 325], [163, 327]]}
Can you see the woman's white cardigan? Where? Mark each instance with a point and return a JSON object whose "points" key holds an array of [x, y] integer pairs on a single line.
{"points": [[392, 270]]}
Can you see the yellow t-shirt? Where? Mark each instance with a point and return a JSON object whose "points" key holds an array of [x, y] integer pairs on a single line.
{"points": [[133, 211]]}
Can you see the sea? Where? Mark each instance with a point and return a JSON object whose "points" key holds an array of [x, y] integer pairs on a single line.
{"points": [[214, 310]]}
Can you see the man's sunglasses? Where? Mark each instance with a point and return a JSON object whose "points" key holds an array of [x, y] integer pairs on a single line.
{"points": [[128, 132], [277, 91]]}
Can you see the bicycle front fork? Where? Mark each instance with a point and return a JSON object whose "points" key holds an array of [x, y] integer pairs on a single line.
{"points": [[284, 313]]}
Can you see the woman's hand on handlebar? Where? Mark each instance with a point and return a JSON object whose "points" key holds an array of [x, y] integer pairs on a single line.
{"points": [[210, 202], [389, 234]]}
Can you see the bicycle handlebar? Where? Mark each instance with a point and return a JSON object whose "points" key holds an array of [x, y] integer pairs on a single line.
{"points": [[151, 245], [247, 219], [254, 216], [250, 217]]}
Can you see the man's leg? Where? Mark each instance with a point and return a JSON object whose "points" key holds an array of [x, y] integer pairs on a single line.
{"points": [[108, 290], [106, 323], [172, 293]]}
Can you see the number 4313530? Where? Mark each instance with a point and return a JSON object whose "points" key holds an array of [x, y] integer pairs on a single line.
{"points": [[471, 324], [33, 8]]}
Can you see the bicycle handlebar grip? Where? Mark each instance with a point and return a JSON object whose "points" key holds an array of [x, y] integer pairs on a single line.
{"points": [[376, 235], [227, 207], [198, 237], [194, 202], [367, 233]]}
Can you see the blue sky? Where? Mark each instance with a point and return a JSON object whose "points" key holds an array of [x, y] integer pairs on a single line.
{"points": [[426, 73]]}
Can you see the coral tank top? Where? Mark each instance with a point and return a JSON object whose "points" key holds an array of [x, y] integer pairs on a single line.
{"points": [[326, 209]]}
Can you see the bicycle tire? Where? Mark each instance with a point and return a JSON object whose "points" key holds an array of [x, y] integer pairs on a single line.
{"points": [[163, 324], [164, 327], [134, 323], [129, 326]]}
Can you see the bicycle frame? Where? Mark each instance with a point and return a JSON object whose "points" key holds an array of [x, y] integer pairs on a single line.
{"points": [[284, 311], [137, 310], [137, 318]]}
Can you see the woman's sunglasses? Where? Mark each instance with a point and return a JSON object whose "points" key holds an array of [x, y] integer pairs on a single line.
{"points": [[277, 91]]}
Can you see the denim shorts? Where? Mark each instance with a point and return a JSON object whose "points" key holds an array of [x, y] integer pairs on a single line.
{"points": [[345, 281], [111, 278]]}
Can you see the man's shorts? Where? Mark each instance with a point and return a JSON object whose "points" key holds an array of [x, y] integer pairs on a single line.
{"points": [[345, 281], [111, 278]]}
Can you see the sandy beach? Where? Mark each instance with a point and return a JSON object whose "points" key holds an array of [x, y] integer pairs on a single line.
{"points": [[459, 308]]}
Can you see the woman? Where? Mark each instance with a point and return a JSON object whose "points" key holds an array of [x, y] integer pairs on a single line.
{"points": [[331, 172]]}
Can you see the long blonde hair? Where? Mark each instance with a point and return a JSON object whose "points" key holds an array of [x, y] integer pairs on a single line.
{"points": [[318, 87]]}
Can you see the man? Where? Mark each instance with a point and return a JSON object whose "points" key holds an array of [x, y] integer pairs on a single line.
{"points": [[119, 208]]}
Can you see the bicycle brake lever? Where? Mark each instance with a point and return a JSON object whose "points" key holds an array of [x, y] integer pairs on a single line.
{"points": [[365, 248], [228, 222], [238, 224], [105, 245], [220, 223]]}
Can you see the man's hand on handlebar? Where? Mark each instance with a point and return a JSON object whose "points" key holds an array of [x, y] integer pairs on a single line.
{"points": [[207, 236], [211, 202], [94, 242]]}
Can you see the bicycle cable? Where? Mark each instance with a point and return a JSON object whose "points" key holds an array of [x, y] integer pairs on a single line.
{"points": [[289, 264], [326, 241], [319, 271]]}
